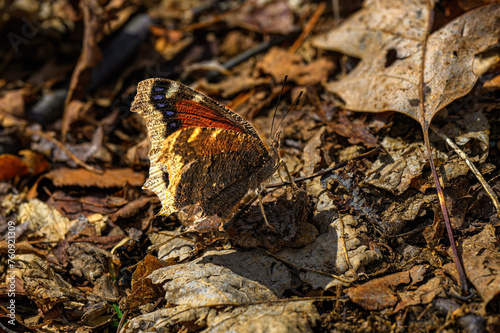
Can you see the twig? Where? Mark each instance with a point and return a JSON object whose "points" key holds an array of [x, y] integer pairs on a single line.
{"points": [[343, 242], [64, 149], [471, 165], [308, 28], [327, 170], [308, 269]]}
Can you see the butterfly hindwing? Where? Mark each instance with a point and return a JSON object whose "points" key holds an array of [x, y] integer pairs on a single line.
{"points": [[207, 168]]}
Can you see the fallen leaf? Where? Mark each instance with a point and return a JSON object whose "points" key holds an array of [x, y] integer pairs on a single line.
{"points": [[12, 103], [378, 294], [388, 76], [86, 178], [482, 264], [12, 166], [279, 62], [294, 316], [90, 262], [355, 131], [45, 221], [196, 284], [423, 295], [143, 290], [45, 287], [264, 17], [327, 254], [395, 171]]}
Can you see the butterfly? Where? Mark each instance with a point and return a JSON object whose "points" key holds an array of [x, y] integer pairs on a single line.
{"points": [[202, 154]]}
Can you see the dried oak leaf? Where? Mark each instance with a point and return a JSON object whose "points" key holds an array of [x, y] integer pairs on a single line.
{"points": [[389, 38], [86, 178], [279, 62], [423, 295]]}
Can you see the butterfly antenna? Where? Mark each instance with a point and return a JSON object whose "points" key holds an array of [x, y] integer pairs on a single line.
{"points": [[277, 104], [290, 109]]}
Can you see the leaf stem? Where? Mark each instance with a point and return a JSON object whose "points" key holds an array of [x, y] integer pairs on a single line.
{"points": [[444, 209]]}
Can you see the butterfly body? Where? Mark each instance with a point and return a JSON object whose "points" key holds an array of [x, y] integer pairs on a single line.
{"points": [[201, 152]]}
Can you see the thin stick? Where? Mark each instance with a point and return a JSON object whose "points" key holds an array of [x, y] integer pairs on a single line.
{"points": [[308, 269], [328, 170], [64, 149], [308, 28], [342, 240], [471, 165]]}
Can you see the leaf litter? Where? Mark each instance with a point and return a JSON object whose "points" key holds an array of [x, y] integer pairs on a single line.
{"points": [[360, 249]]}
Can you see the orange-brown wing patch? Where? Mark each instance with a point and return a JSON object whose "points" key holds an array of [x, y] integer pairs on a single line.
{"points": [[194, 114]]}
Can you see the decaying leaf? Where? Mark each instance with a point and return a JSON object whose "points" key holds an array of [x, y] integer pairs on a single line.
{"points": [[395, 171], [196, 284], [279, 62], [45, 221], [423, 295], [143, 290], [326, 254], [380, 293], [264, 16], [287, 210], [91, 262], [388, 76], [45, 287], [286, 317], [482, 264], [86, 178]]}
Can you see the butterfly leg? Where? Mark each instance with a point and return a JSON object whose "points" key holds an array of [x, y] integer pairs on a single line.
{"points": [[262, 208], [295, 187]]}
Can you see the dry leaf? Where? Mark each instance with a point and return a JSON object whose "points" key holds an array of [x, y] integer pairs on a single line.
{"points": [[378, 294], [11, 166], [85, 178], [326, 254], [264, 17], [143, 290], [45, 221], [279, 62], [45, 287], [197, 284], [289, 317], [388, 36]]}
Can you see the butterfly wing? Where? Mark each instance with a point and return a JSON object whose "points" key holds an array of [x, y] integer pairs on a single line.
{"points": [[200, 149], [211, 167]]}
